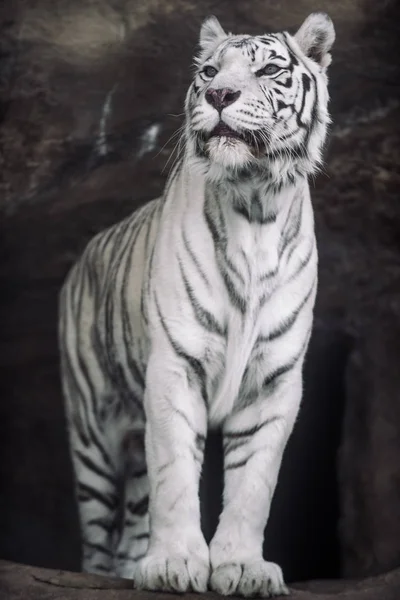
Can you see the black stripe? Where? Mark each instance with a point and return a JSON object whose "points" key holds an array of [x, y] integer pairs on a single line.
{"points": [[126, 320], [105, 524], [289, 236], [218, 235], [289, 216], [267, 39], [246, 260], [255, 212], [70, 370], [86, 493], [194, 363], [97, 548], [103, 240], [162, 468], [219, 238], [72, 382], [194, 259], [121, 244], [287, 323], [296, 152], [91, 275], [280, 105], [74, 422], [81, 361], [292, 55], [146, 288], [198, 436], [115, 374], [289, 136], [203, 316], [288, 83], [94, 439], [138, 473], [234, 269], [269, 274], [314, 113], [138, 508], [130, 523], [238, 464], [292, 237], [278, 372], [306, 81], [251, 431], [85, 460], [171, 507], [303, 263], [146, 255], [271, 379], [124, 556], [140, 536], [236, 299], [231, 444], [243, 462]]}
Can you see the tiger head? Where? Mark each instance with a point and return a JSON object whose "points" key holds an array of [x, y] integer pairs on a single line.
{"points": [[262, 100]]}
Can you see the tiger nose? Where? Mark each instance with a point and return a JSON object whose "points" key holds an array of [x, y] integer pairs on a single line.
{"points": [[221, 98]]}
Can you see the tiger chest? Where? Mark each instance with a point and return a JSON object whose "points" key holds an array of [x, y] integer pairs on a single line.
{"points": [[238, 364]]}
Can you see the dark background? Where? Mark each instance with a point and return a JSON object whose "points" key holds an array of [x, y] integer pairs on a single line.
{"points": [[81, 83]]}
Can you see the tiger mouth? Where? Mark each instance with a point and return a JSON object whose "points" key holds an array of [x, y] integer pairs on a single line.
{"points": [[223, 130]]}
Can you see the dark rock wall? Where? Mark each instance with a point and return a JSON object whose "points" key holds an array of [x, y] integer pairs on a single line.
{"points": [[90, 95]]}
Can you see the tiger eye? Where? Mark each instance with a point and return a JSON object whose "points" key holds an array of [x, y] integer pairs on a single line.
{"points": [[210, 71], [268, 70]]}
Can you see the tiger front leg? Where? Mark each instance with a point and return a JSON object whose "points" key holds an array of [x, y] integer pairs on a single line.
{"points": [[178, 557], [254, 441]]}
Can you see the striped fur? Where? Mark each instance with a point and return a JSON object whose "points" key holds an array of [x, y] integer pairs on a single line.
{"points": [[196, 312]]}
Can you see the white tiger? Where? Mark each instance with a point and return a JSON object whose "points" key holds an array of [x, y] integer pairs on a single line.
{"points": [[196, 312]]}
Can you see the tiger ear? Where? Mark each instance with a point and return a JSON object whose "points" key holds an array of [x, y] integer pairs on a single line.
{"points": [[315, 38], [211, 34]]}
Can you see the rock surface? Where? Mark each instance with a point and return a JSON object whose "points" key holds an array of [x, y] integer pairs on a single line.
{"points": [[44, 584]]}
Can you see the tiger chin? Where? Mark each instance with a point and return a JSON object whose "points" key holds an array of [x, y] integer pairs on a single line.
{"points": [[196, 312]]}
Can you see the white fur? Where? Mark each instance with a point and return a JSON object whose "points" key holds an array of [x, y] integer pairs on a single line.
{"points": [[316, 36], [238, 362]]}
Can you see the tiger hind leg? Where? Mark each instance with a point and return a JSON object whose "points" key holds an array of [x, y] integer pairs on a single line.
{"points": [[97, 496], [134, 524]]}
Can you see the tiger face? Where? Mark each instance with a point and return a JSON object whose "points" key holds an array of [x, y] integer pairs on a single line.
{"points": [[260, 99]]}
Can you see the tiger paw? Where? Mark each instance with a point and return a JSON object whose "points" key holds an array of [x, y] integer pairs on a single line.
{"points": [[125, 568], [258, 578], [172, 573]]}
